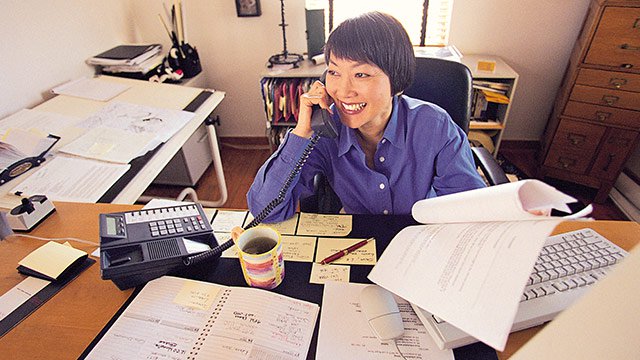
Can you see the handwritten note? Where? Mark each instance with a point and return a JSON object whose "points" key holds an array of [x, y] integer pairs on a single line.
{"points": [[324, 225], [365, 255], [197, 295], [225, 220], [320, 274], [253, 324], [287, 227], [298, 248]]}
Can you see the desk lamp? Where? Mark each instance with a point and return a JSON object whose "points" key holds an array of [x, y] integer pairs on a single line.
{"points": [[284, 58]]}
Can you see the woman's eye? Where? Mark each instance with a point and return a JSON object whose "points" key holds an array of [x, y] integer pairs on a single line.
{"points": [[332, 72], [361, 75]]}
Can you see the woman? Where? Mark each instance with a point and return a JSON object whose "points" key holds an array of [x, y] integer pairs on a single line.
{"points": [[391, 150]]}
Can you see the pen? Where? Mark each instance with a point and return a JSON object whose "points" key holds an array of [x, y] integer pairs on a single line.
{"points": [[344, 252]]}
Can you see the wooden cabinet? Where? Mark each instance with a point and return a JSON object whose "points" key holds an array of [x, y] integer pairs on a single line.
{"points": [[595, 123]]}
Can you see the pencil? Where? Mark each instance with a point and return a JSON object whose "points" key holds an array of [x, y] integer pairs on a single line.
{"points": [[344, 252]]}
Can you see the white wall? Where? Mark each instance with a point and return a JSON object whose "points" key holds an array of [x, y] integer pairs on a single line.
{"points": [[46, 42], [534, 37]]}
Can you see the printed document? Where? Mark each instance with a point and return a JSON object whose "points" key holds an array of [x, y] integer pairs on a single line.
{"points": [[472, 274], [72, 179], [345, 334]]}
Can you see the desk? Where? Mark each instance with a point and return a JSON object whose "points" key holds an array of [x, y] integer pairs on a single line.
{"points": [[66, 324], [144, 93]]}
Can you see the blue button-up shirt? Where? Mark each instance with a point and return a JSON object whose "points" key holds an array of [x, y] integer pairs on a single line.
{"points": [[422, 154]]}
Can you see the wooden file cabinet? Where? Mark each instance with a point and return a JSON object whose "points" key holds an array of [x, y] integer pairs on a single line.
{"points": [[595, 122]]}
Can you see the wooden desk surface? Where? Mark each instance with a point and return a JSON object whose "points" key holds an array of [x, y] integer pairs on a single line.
{"points": [[66, 324]]}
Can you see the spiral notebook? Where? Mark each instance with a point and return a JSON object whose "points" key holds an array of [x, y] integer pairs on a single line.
{"points": [[187, 319]]}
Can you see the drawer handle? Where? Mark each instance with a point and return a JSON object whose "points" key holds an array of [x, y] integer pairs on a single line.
{"points": [[602, 115], [609, 162], [636, 24], [617, 82], [629, 47], [565, 163], [610, 99], [626, 66], [576, 139]]}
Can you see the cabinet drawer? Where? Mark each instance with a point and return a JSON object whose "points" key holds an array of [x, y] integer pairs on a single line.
{"points": [[562, 159], [578, 137], [615, 148], [609, 79], [607, 97], [616, 43], [603, 114]]}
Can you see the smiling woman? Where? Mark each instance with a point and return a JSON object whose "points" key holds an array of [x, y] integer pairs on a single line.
{"points": [[391, 150]]}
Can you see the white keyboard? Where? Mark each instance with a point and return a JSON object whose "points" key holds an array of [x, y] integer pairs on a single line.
{"points": [[566, 267]]}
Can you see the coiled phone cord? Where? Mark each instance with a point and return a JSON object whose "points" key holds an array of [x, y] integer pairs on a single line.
{"points": [[217, 251]]}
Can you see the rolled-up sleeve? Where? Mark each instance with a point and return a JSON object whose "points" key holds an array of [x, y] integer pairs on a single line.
{"points": [[271, 178]]}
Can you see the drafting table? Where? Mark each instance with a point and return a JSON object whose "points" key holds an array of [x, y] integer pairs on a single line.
{"points": [[158, 95]]}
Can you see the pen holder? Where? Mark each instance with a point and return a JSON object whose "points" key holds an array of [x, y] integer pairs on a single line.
{"points": [[260, 255], [185, 57]]}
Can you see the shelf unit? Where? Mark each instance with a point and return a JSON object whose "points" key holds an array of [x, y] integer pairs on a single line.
{"points": [[490, 131], [595, 123], [485, 131]]}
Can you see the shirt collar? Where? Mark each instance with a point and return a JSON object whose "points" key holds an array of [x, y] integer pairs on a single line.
{"points": [[394, 132]]}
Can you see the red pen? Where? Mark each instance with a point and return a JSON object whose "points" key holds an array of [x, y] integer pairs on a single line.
{"points": [[344, 252]]}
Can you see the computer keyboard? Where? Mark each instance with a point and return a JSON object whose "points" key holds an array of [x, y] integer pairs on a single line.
{"points": [[571, 260], [567, 266]]}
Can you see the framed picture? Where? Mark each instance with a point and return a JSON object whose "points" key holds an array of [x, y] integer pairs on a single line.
{"points": [[248, 7]]}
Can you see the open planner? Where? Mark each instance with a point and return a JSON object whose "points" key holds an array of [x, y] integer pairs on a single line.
{"points": [[175, 318]]}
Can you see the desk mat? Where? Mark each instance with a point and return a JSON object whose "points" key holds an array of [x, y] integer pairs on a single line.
{"points": [[41, 297]]}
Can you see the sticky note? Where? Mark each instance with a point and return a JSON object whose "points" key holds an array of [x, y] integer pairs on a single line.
{"points": [[320, 274], [197, 295]]}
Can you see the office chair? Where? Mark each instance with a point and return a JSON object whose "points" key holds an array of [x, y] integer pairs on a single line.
{"points": [[445, 83]]}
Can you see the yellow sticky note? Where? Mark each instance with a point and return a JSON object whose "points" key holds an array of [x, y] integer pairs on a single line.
{"points": [[486, 65], [320, 274], [51, 259], [197, 295]]}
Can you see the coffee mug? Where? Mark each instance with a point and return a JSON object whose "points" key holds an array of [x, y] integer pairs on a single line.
{"points": [[260, 255]]}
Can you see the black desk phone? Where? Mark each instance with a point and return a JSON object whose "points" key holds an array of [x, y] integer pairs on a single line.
{"points": [[138, 246]]}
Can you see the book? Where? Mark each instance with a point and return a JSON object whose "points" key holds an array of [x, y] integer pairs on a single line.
{"points": [[125, 55], [469, 265], [187, 319]]}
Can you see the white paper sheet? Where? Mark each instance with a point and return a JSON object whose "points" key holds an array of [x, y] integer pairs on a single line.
{"points": [[91, 88], [112, 145], [345, 334], [505, 202], [162, 124], [41, 122], [20, 294], [72, 179], [472, 275]]}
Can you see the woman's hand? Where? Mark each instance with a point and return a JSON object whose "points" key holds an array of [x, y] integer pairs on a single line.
{"points": [[317, 95]]}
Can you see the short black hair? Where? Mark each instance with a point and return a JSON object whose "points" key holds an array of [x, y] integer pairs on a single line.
{"points": [[379, 39]]}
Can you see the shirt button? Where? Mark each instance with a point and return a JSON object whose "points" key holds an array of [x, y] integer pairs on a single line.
{"points": [[381, 186], [386, 212], [384, 141], [381, 158]]}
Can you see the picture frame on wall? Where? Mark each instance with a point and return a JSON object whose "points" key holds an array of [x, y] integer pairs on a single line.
{"points": [[248, 8]]}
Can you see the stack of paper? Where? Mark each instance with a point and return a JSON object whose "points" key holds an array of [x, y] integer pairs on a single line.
{"points": [[471, 265]]}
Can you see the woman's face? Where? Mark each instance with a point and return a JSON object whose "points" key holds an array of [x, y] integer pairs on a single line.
{"points": [[362, 93]]}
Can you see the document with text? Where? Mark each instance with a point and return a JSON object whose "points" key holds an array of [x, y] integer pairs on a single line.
{"points": [[472, 273]]}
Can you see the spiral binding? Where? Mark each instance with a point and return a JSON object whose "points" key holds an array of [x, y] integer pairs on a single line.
{"points": [[218, 250], [207, 327]]}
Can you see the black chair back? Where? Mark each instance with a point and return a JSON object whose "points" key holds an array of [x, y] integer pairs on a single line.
{"points": [[447, 84]]}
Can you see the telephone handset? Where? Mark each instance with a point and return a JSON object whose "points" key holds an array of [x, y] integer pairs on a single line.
{"points": [[321, 122], [322, 125]]}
